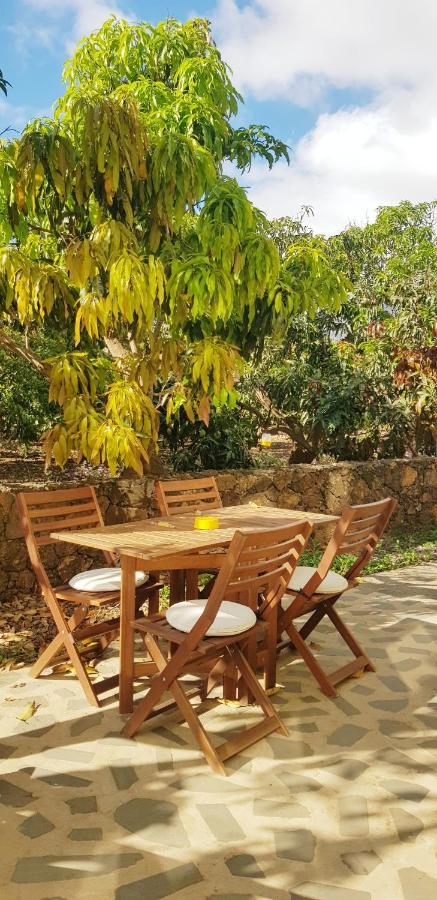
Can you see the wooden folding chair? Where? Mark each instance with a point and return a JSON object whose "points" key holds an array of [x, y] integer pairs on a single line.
{"points": [[211, 636], [317, 590], [189, 495], [43, 512]]}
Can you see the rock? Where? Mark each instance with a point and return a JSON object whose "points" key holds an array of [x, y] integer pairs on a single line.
{"points": [[408, 476]]}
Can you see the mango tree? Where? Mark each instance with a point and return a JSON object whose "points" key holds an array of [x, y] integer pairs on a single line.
{"points": [[123, 237]]}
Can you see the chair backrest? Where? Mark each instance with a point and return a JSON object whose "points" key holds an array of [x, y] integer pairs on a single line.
{"points": [[189, 494], [356, 534], [256, 571], [42, 512]]}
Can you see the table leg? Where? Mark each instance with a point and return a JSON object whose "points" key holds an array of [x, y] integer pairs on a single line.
{"points": [[177, 585], [127, 615], [192, 584]]}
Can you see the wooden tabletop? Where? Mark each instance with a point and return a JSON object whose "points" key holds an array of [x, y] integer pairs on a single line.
{"points": [[151, 539]]}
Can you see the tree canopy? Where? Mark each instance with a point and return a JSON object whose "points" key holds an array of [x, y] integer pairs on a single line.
{"points": [[123, 237], [359, 381]]}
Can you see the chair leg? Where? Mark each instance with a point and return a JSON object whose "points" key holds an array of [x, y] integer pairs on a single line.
{"points": [[145, 708], [55, 645], [46, 656], [348, 637], [311, 661], [255, 688]]}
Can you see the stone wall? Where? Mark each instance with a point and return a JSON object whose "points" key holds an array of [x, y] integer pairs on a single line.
{"points": [[322, 488]]}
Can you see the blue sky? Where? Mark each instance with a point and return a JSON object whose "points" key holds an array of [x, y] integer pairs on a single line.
{"points": [[349, 84]]}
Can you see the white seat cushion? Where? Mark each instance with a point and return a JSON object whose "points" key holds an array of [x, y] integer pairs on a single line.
{"points": [[104, 579], [232, 618], [332, 584]]}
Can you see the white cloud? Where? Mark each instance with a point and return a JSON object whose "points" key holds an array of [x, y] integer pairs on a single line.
{"points": [[357, 158], [86, 15]]}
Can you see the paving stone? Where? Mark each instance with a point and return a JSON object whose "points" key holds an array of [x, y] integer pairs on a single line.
{"points": [[280, 809], [86, 724], [286, 749], [392, 727], [400, 760], [350, 769], [406, 665], [35, 826], [345, 707], [393, 683], [230, 897], [362, 862], [405, 790], [153, 820], [299, 845], [221, 822], [161, 885], [12, 795], [309, 890], [430, 721], [389, 705], [164, 759], [74, 756], [294, 687], [124, 776], [353, 814], [6, 750], [205, 784], [417, 885], [36, 733], [171, 736], [85, 834], [310, 712], [298, 784], [243, 865], [407, 825], [37, 869], [63, 779], [421, 638], [347, 735], [82, 805], [239, 763]]}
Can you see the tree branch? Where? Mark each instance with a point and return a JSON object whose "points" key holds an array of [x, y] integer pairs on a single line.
{"points": [[8, 344]]}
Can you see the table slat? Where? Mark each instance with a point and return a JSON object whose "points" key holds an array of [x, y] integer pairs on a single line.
{"points": [[151, 539]]}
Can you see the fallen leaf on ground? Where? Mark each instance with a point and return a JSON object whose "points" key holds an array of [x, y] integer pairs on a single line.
{"points": [[358, 674], [28, 711]]}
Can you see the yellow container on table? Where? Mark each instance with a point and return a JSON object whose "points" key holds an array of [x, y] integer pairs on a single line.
{"points": [[205, 523]]}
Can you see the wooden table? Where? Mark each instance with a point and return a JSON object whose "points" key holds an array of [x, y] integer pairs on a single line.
{"points": [[165, 544]]}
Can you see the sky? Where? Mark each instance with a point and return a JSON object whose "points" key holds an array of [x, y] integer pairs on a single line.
{"points": [[350, 85]]}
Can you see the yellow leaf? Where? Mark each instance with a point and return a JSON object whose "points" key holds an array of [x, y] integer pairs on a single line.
{"points": [[28, 711]]}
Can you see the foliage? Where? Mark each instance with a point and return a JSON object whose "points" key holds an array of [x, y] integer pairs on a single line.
{"points": [[395, 551], [358, 380], [4, 84], [121, 231], [225, 444]]}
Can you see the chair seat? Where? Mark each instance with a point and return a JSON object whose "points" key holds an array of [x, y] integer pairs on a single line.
{"points": [[232, 618], [333, 583], [102, 580]]}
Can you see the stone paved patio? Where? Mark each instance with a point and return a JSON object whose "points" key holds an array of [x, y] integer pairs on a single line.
{"points": [[345, 808]]}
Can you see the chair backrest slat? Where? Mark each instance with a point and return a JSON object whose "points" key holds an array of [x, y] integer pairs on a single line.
{"points": [[357, 534], [256, 570], [43, 512], [175, 497], [266, 560]]}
